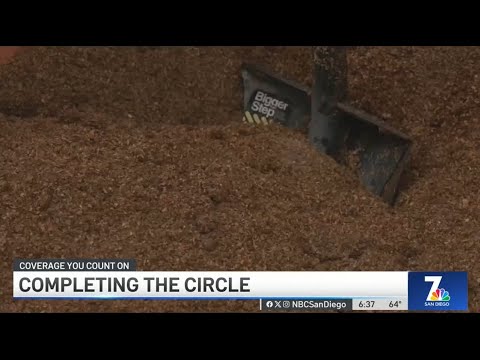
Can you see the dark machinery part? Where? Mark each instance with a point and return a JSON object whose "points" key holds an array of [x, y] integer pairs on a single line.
{"points": [[373, 149], [377, 152], [330, 87], [269, 98]]}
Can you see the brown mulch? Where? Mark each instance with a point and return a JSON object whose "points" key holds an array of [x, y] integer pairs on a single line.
{"points": [[140, 153], [168, 85]]}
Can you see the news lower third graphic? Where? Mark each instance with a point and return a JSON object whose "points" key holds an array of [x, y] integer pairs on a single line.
{"points": [[276, 291]]}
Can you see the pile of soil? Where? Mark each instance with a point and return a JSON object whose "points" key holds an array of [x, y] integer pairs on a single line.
{"points": [[110, 162]]}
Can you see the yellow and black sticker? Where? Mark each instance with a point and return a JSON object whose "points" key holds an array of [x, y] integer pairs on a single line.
{"points": [[255, 119]]}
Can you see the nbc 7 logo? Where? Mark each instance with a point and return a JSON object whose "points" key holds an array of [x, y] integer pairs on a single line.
{"points": [[435, 280]]}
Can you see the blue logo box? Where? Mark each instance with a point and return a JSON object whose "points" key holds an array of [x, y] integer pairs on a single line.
{"points": [[438, 291]]}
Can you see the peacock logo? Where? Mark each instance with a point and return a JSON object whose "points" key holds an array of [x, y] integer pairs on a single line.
{"points": [[436, 293], [439, 295]]}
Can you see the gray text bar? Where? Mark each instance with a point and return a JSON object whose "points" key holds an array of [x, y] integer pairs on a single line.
{"points": [[312, 305], [74, 265]]}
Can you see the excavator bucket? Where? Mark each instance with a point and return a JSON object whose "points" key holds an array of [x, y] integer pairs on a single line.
{"points": [[376, 151]]}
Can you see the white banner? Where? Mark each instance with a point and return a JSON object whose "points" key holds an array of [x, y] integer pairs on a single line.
{"points": [[207, 285]]}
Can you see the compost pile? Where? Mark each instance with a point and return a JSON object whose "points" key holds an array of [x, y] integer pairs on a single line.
{"points": [[140, 153]]}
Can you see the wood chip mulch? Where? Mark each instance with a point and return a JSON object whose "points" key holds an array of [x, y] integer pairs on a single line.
{"points": [[140, 153]]}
